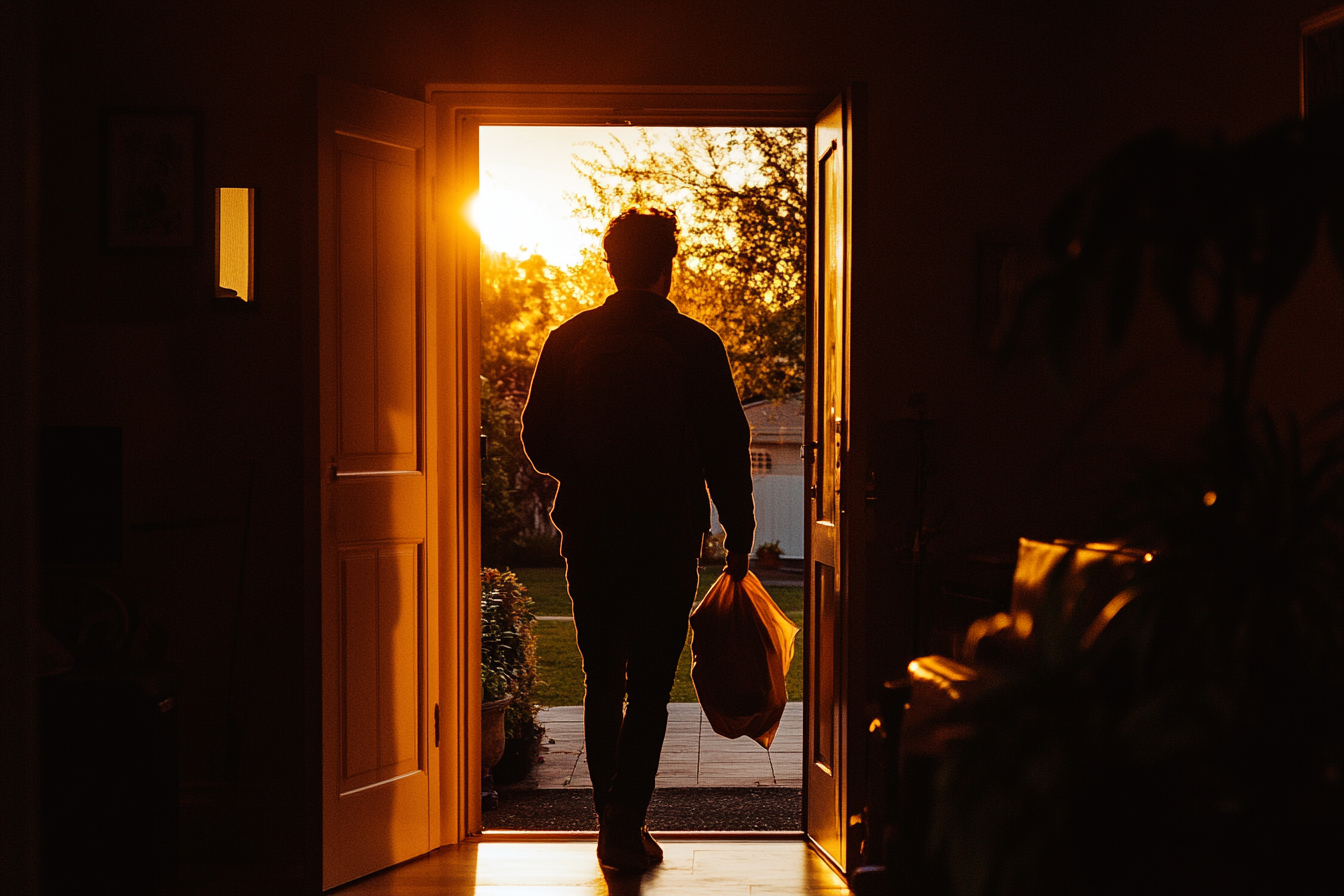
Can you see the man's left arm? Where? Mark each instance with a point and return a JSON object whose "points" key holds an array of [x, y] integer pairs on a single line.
{"points": [[727, 454]]}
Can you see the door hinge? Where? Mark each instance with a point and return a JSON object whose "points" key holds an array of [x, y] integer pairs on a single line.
{"points": [[436, 724]]}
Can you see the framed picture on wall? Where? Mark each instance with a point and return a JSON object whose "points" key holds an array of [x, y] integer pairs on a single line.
{"points": [[151, 167]]}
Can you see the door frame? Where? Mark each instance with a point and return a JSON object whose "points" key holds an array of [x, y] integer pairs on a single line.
{"points": [[461, 110]]}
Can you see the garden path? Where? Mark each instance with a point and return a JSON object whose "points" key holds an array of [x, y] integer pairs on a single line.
{"points": [[693, 755]]}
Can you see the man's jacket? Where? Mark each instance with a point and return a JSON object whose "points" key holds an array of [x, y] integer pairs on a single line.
{"points": [[634, 411]]}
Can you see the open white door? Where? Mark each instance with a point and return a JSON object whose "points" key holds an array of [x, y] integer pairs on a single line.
{"points": [[826, 625], [379, 626]]}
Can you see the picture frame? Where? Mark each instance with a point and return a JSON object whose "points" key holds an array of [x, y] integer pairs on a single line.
{"points": [[151, 179]]}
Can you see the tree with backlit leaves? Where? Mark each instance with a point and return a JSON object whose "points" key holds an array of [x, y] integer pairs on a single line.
{"points": [[742, 201], [741, 198]]}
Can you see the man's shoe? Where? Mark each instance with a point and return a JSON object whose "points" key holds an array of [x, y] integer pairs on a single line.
{"points": [[621, 845], [651, 847]]}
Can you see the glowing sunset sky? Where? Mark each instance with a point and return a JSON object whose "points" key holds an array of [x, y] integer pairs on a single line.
{"points": [[525, 174]]}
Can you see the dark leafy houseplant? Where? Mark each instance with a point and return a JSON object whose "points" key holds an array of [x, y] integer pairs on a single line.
{"points": [[1197, 747], [509, 650]]}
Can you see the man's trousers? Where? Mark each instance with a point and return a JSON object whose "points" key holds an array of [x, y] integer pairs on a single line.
{"points": [[630, 617]]}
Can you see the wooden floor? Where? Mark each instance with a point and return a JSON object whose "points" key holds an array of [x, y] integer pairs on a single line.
{"points": [[690, 867]]}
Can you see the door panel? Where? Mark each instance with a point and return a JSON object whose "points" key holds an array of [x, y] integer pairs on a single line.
{"points": [[374, 507], [399, 616], [827, 403], [823, 720], [376, 293], [380, 793], [359, 680]]}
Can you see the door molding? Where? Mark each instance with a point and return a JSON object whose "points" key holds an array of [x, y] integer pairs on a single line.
{"points": [[461, 110]]}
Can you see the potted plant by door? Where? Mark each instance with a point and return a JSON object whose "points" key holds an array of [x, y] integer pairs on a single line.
{"points": [[498, 657], [768, 554], [492, 746], [509, 670], [495, 696]]}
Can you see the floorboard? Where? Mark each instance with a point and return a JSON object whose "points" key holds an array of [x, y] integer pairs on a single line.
{"points": [[691, 867]]}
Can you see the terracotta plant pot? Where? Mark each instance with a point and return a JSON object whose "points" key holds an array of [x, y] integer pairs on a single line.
{"points": [[768, 561], [492, 732]]}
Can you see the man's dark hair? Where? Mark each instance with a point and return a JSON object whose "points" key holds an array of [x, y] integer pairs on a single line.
{"points": [[639, 243]]}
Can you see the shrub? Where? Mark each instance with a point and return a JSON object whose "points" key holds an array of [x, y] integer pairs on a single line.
{"points": [[711, 549], [509, 649], [769, 549], [501, 525]]}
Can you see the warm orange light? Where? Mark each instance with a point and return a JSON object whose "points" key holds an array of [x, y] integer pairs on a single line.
{"points": [[1147, 558], [507, 220], [1210, 498], [1022, 624], [1107, 613], [233, 242], [529, 181]]}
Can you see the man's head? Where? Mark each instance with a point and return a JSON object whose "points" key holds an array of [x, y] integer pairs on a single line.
{"points": [[640, 245]]}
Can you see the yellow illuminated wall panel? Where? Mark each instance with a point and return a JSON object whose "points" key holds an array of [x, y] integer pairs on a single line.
{"points": [[233, 242]]}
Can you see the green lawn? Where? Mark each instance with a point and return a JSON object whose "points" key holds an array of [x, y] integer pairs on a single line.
{"points": [[546, 586], [558, 663]]}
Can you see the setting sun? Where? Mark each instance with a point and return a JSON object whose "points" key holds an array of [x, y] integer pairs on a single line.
{"points": [[525, 204], [527, 173], [510, 220]]}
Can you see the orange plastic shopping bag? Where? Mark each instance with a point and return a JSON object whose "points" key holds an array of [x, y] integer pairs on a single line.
{"points": [[741, 648]]}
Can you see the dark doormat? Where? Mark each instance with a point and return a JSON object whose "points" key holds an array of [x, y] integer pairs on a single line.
{"points": [[672, 809]]}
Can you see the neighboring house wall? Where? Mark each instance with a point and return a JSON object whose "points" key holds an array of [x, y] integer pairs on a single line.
{"points": [[777, 473]]}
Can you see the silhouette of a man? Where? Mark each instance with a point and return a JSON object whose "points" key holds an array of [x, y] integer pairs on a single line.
{"points": [[634, 411]]}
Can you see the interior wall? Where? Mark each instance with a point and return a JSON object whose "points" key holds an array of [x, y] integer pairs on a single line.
{"points": [[980, 117], [209, 402], [19, 142]]}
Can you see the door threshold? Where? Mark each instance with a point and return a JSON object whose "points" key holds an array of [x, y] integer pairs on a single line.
{"points": [[539, 836]]}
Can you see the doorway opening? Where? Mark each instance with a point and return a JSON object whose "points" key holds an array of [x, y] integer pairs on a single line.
{"points": [[545, 194]]}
